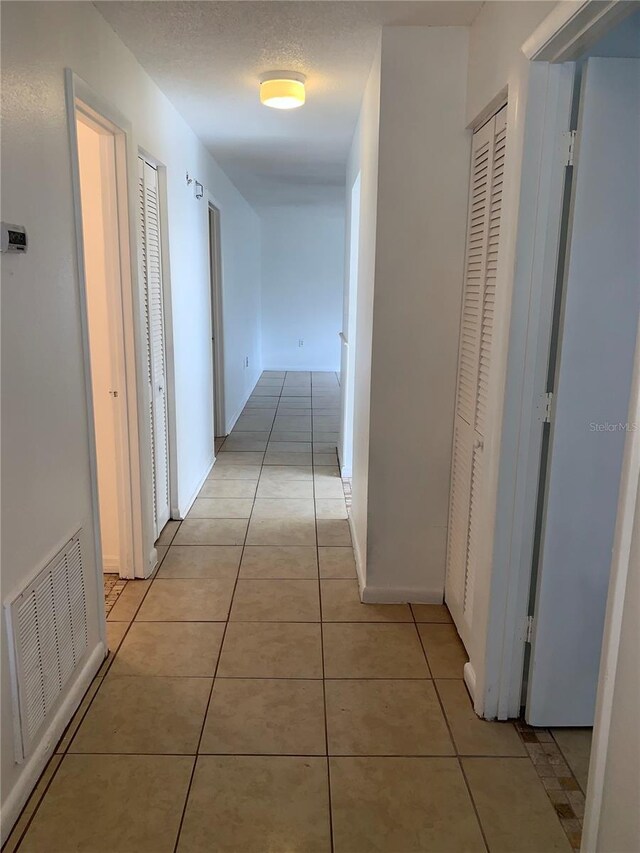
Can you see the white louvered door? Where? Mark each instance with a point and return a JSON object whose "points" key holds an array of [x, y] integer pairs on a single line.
{"points": [[474, 365], [151, 270]]}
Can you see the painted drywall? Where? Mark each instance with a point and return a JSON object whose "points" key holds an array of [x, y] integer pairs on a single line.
{"points": [[363, 160], [90, 147], [302, 283], [45, 466], [423, 165]]}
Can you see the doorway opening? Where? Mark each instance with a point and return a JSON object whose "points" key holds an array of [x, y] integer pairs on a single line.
{"points": [[348, 337], [217, 343], [101, 186]]}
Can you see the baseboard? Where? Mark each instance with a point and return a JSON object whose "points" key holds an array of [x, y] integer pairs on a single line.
{"points": [[153, 561], [304, 369], [469, 675], [182, 513], [111, 565], [399, 595], [232, 422], [36, 763], [361, 566]]}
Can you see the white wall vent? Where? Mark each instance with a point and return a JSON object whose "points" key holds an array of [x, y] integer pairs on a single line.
{"points": [[47, 625]]}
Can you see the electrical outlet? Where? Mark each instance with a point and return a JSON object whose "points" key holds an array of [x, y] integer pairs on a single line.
{"points": [[300, 342]]}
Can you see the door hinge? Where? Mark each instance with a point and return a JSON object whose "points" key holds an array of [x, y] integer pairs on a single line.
{"points": [[568, 146], [528, 635], [545, 406]]}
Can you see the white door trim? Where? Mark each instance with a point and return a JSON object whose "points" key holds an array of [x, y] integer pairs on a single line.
{"points": [[549, 107], [217, 315], [548, 111], [571, 27], [142, 549]]}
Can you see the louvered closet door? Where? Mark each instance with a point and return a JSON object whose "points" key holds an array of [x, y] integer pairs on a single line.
{"points": [[474, 365], [151, 269]]}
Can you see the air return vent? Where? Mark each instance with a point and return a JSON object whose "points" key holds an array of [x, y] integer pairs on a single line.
{"points": [[47, 625]]}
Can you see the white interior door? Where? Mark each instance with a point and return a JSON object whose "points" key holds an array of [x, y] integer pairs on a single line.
{"points": [[601, 305], [151, 270], [348, 338], [474, 365]]}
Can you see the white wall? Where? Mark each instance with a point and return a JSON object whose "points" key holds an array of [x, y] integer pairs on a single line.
{"points": [[423, 163], [302, 282], [45, 469]]}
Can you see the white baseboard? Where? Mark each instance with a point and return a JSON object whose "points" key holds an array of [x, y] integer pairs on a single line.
{"points": [[230, 423], [469, 675], [37, 761], [361, 566], [370, 594], [399, 595], [111, 564], [153, 561], [304, 368], [182, 512]]}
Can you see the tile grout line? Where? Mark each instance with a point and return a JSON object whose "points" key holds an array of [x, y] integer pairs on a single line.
{"points": [[324, 680], [449, 729], [222, 639]]}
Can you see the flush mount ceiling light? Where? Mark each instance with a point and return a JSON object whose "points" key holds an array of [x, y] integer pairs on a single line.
{"points": [[282, 90]]}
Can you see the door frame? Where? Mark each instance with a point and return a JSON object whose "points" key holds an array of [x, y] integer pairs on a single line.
{"points": [[561, 38], [116, 354], [214, 230], [348, 340], [167, 306], [81, 98], [551, 49]]}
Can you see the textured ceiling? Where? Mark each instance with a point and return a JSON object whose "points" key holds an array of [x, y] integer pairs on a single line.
{"points": [[208, 56]]}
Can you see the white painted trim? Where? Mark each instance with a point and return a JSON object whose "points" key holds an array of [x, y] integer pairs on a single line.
{"points": [[181, 513], [139, 437], [231, 423], [299, 369], [400, 595], [216, 292], [111, 564], [153, 561], [542, 184], [620, 566], [571, 27], [469, 676], [361, 566], [37, 762]]}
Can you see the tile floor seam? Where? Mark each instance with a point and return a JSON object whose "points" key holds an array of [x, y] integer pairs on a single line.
{"points": [[324, 680], [224, 633], [453, 740]]}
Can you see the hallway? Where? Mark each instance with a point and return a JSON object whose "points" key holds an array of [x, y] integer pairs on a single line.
{"points": [[251, 650]]}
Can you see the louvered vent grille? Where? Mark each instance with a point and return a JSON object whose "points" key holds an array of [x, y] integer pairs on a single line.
{"points": [[48, 637]]}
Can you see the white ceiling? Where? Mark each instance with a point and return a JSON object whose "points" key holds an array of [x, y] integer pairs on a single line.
{"points": [[208, 56]]}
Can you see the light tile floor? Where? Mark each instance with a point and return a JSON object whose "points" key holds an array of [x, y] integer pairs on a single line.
{"points": [[250, 702]]}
